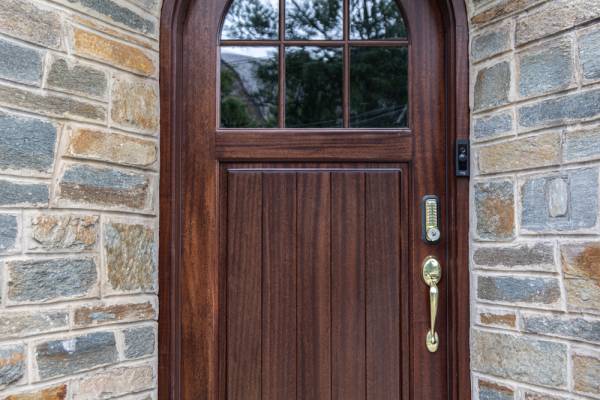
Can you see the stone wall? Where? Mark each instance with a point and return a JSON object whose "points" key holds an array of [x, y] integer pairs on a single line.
{"points": [[78, 197], [79, 125], [535, 229]]}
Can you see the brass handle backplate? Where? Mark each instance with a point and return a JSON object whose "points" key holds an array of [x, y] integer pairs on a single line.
{"points": [[432, 273]]}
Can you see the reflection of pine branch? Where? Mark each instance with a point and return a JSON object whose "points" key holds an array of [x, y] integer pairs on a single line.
{"points": [[307, 19]]}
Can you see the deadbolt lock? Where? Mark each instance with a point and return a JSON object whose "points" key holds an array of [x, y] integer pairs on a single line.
{"points": [[431, 219]]}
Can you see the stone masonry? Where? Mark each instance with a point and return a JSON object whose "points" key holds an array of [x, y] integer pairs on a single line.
{"points": [[535, 248], [79, 125]]}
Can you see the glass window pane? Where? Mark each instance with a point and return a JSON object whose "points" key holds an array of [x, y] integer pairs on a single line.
{"points": [[249, 87], [251, 19], [376, 19], [379, 87], [313, 19], [313, 87]]}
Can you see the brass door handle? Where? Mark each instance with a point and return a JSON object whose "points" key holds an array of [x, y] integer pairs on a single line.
{"points": [[432, 273]]}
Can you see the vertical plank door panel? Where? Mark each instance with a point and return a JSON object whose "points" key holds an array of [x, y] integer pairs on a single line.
{"points": [[244, 280], [383, 285], [314, 284], [279, 286], [348, 286]]}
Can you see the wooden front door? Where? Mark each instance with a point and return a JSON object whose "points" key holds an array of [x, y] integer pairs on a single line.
{"points": [[291, 202]]}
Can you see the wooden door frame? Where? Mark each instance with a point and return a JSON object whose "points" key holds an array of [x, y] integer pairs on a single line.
{"points": [[172, 191]]}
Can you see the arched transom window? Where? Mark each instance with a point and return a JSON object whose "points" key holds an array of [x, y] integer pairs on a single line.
{"points": [[314, 64]]}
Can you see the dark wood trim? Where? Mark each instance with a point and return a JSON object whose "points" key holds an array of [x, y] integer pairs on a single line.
{"points": [[171, 268]]}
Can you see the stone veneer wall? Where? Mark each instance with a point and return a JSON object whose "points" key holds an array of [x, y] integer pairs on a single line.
{"points": [[535, 228], [79, 124], [78, 199]]}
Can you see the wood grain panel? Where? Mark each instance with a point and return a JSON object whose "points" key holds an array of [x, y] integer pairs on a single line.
{"points": [[279, 286], [383, 285], [348, 286], [314, 284], [244, 264]]}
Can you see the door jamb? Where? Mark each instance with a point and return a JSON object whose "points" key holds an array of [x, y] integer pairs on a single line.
{"points": [[457, 127]]}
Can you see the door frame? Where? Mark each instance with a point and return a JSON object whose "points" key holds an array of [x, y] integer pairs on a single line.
{"points": [[172, 191]]}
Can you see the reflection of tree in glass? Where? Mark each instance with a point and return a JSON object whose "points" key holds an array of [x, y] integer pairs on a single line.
{"points": [[378, 87], [378, 96], [249, 89], [313, 83], [313, 19], [251, 19], [376, 19]]}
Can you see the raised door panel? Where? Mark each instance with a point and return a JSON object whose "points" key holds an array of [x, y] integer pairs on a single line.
{"points": [[314, 277]]}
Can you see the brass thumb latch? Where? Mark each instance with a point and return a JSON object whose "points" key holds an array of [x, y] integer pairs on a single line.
{"points": [[432, 273]]}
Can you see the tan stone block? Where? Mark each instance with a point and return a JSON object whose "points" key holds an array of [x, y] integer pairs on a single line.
{"points": [[114, 382], [506, 319], [580, 263], [586, 374], [493, 390], [99, 314], [63, 232], [531, 152], [88, 44], [96, 25], [93, 144], [555, 16], [495, 210], [130, 254], [135, 104], [502, 9], [52, 393]]}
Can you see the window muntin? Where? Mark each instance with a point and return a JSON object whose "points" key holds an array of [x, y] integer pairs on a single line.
{"points": [[318, 64]]}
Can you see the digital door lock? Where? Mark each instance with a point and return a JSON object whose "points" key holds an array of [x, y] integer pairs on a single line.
{"points": [[431, 219]]}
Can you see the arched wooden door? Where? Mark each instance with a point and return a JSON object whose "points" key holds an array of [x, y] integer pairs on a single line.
{"points": [[299, 141]]}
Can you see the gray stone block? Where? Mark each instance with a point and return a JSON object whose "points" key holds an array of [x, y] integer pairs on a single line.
{"points": [[45, 280], [538, 256], [576, 328], [26, 143], [530, 395], [493, 126], [116, 12], [20, 64], [63, 357], [492, 86], [589, 55], [490, 43], [538, 362], [51, 104], [508, 289], [19, 324], [104, 186], [582, 145], [12, 364], [582, 208], [139, 342], [23, 194], [546, 69], [9, 230], [571, 107], [78, 78], [30, 21]]}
